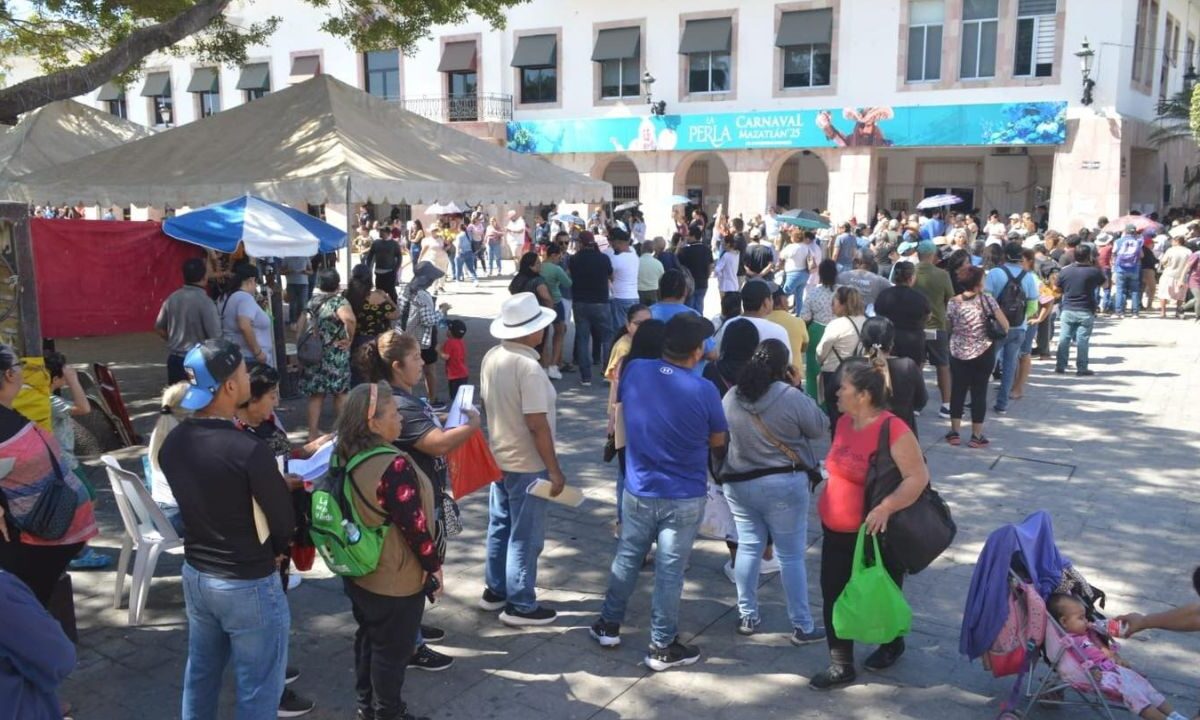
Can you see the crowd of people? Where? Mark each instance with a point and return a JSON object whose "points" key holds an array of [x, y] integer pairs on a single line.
{"points": [[821, 333]]}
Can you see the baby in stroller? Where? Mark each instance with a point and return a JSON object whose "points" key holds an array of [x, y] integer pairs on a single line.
{"points": [[1111, 673]]}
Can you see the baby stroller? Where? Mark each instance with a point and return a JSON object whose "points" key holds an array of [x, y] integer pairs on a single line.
{"points": [[1006, 623]]}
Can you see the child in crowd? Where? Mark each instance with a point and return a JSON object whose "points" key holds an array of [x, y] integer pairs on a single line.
{"points": [[454, 352], [1111, 672]]}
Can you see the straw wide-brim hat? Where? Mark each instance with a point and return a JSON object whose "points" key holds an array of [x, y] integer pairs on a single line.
{"points": [[521, 315]]}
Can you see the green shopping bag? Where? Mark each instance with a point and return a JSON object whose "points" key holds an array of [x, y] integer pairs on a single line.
{"points": [[871, 609]]}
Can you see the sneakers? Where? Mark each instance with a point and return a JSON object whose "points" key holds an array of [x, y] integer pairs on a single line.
{"points": [[292, 705], [290, 675], [491, 601], [554, 373], [674, 655], [430, 633], [944, 412], [953, 438], [747, 625], [800, 638], [885, 656], [585, 383], [541, 615], [89, 559], [833, 676], [978, 441], [1085, 373], [728, 568], [426, 658], [608, 634], [1000, 410], [567, 367], [769, 566]]}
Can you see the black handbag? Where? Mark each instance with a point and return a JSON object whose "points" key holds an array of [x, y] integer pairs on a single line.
{"points": [[919, 533], [992, 326], [54, 510]]}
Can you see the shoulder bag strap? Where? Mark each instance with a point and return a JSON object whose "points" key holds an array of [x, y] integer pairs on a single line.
{"points": [[50, 451], [791, 454]]}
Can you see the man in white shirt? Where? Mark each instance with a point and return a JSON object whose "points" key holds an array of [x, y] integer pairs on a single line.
{"points": [[756, 306], [624, 277], [514, 235]]}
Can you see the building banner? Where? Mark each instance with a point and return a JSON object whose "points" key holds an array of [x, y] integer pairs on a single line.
{"points": [[1036, 123]]}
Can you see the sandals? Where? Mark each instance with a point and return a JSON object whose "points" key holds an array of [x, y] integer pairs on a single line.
{"points": [[978, 441], [953, 438]]}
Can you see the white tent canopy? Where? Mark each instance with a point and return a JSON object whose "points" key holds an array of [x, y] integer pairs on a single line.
{"points": [[305, 144], [59, 133]]}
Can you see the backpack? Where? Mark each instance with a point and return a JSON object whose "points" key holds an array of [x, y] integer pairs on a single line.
{"points": [[335, 520], [1012, 298], [309, 346], [1129, 254], [1023, 631], [860, 350]]}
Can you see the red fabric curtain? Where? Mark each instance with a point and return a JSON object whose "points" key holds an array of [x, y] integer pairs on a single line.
{"points": [[103, 277]]}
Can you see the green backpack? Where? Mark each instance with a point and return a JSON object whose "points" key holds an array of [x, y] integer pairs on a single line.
{"points": [[348, 547]]}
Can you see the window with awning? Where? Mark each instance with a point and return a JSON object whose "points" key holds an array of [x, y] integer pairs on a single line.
{"points": [[111, 91], [158, 84], [304, 67], [458, 57], [618, 50], [204, 80], [255, 76], [806, 38], [708, 44], [536, 51]]}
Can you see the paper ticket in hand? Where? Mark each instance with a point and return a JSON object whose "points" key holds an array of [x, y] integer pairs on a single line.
{"points": [[570, 496]]}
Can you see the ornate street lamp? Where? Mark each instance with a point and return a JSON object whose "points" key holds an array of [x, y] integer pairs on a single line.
{"points": [[656, 108], [1086, 55]]}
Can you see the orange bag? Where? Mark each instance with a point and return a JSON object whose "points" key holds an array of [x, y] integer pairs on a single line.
{"points": [[472, 466]]}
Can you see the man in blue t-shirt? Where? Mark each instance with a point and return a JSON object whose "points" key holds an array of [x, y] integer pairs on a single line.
{"points": [[673, 419], [1008, 350], [672, 292]]}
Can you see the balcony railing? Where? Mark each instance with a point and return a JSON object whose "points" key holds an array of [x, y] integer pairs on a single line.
{"points": [[462, 108]]}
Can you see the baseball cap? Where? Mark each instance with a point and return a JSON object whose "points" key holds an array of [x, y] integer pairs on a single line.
{"points": [[1131, 228], [755, 293], [207, 365], [907, 247], [685, 332], [926, 247], [1012, 251]]}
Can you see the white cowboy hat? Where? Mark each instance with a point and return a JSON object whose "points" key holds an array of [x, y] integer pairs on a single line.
{"points": [[521, 315]]}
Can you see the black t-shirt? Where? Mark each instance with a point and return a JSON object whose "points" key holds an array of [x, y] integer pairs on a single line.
{"points": [[698, 259], [909, 393], [590, 271], [758, 257], [905, 307], [1078, 284], [1149, 259], [215, 470], [419, 421], [385, 254]]}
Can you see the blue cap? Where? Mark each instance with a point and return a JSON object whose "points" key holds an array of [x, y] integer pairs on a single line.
{"points": [[906, 247], [926, 247], [208, 365]]}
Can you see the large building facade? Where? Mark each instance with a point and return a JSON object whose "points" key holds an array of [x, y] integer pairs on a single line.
{"points": [[845, 105]]}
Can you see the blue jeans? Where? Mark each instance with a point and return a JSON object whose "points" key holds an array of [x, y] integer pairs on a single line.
{"points": [[1128, 285], [794, 283], [493, 258], [774, 505], [415, 253], [619, 307], [593, 321], [297, 297], [245, 621], [696, 301], [1076, 325], [1007, 352], [464, 261], [671, 525], [516, 534]]}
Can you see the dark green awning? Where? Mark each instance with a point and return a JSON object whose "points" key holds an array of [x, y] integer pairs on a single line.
{"points": [[157, 83], [704, 36], [536, 51], [204, 80], [305, 67], [617, 44], [110, 91], [805, 27], [458, 57], [256, 76]]}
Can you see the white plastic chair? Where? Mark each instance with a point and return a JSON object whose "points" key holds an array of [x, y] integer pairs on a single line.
{"points": [[147, 531]]}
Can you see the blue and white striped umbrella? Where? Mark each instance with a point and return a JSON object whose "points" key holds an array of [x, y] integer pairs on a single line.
{"points": [[267, 229], [937, 201]]}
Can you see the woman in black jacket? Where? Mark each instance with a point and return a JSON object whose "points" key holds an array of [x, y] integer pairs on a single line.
{"points": [[904, 384]]}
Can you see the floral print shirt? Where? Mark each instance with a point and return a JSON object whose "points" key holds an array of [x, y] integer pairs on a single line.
{"points": [[818, 305], [968, 325], [399, 492]]}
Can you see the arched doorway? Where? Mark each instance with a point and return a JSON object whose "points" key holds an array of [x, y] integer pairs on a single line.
{"points": [[801, 181], [622, 174], [705, 179]]}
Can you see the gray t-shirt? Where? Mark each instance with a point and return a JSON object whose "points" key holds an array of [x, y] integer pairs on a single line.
{"points": [[242, 304], [867, 283], [792, 417], [188, 316]]}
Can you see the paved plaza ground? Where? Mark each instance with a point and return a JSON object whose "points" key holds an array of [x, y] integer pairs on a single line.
{"points": [[1113, 458]]}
